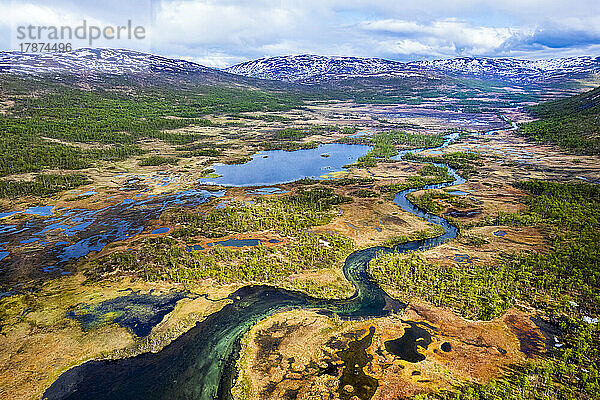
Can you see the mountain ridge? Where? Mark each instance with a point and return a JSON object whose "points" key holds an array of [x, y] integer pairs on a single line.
{"points": [[304, 68], [572, 123], [308, 65], [100, 60]]}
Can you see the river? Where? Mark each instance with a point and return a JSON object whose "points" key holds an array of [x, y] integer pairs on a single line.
{"points": [[201, 364]]}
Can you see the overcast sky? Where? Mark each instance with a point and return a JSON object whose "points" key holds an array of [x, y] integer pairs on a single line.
{"points": [[220, 33]]}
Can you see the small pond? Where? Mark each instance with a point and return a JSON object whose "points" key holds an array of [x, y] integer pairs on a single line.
{"points": [[268, 190], [232, 242]]}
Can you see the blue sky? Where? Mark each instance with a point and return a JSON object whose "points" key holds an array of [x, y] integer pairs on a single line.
{"points": [[219, 33]]}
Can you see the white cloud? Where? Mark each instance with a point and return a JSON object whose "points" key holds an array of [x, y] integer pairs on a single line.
{"points": [[214, 23], [34, 14], [442, 36], [407, 47]]}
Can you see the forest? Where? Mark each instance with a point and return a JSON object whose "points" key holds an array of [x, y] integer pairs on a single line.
{"points": [[384, 144], [462, 161], [41, 185], [572, 123], [46, 119], [430, 174], [290, 139]]}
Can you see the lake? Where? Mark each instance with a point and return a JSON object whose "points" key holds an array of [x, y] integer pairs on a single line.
{"points": [[279, 166]]}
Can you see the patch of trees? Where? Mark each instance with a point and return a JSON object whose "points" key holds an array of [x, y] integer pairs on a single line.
{"points": [[563, 284], [42, 185], [155, 160], [572, 123]]}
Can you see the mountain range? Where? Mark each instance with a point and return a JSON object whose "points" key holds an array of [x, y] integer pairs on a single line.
{"points": [[307, 69]]}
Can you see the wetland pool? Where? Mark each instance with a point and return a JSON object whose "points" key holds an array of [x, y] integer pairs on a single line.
{"points": [[278, 166], [232, 242], [41, 246], [138, 312]]}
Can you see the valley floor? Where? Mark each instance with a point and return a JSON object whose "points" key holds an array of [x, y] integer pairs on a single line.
{"points": [[57, 314]]}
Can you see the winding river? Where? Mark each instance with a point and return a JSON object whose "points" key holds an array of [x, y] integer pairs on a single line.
{"points": [[201, 364]]}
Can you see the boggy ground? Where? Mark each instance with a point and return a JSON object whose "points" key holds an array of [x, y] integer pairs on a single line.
{"points": [[38, 342], [372, 221], [304, 355], [300, 355]]}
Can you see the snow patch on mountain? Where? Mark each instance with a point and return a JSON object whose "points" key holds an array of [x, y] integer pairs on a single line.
{"points": [[85, 60], [304, 67], [311, 68], [511, 69]]}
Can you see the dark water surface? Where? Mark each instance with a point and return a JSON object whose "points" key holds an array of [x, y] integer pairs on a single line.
{"points": [[407, 347], [233, 242], [355, 359], [200, 364]]}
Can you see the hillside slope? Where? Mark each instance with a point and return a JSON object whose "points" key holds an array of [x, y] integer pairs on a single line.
{"points": [[572, 123], [110, 61], [305, 67]]}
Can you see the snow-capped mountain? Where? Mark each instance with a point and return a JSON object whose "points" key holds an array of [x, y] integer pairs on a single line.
{"points": [[310, 68], [303, 68], [307, 67], [510, 69], [111, 61]]}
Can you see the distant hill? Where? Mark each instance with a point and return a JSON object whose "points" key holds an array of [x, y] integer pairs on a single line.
{"points": [[306, 68], [314, 68], [514, 70], [573, 123], [103, 64], [476, 84], [115, 61]]}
